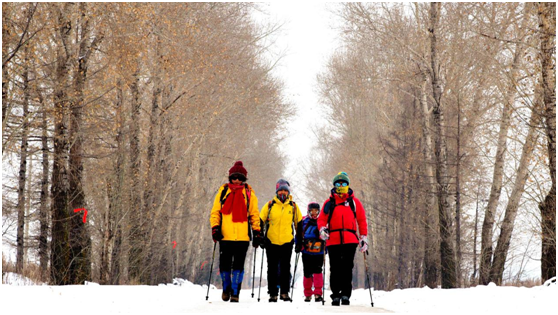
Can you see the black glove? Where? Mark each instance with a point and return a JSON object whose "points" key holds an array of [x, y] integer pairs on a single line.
{"points": [[298, 247], [264, 242], [216, 233], [257, 240]]}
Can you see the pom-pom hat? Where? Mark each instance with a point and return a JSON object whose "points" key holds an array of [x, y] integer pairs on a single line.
{"points": [[341, 176], [238, 168]]}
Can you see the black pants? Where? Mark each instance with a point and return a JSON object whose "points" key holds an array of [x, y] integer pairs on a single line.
{"points": [[232, 255], [341, 264], [279, 256], [312, 264]]}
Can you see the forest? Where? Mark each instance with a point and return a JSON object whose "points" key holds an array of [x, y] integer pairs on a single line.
{"points": [[443, 114]]}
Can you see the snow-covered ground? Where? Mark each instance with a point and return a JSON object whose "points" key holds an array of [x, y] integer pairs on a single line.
{"points": [[188, 298]]}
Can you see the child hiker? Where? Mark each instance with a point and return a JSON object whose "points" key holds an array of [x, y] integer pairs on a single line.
{"points": [[312, 247]]}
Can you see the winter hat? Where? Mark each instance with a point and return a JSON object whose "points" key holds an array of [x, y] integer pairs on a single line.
{"points": [[282, 185], [313, 205], [238, 169], [341, 176]]}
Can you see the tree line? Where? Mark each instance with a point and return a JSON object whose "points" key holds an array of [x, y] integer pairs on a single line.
{"points": [[443, 115], [447, 111], [134, 112]]}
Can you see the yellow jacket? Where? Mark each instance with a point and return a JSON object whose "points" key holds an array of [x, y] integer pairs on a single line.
{"points": [[281, 219], [235, 231]]}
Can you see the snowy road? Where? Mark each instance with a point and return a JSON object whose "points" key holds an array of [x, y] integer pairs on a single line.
{"points": [[190, 298]]}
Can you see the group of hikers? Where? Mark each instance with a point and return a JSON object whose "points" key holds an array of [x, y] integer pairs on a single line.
{"points": [[338, 229]]}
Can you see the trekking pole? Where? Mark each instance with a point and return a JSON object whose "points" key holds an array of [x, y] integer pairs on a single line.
{"points": [[211, 271], [368, 278], [261, 270], [323, 286], [254, 272], [294, 276]]}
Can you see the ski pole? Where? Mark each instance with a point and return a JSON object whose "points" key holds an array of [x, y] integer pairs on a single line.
{"points": [[254, 272], [294, 276], [211, 271], [323, 286], [261, 270], [368, 277]]}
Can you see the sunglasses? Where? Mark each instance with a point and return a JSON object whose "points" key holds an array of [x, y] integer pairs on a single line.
{"points": [[238, 177], [341, 184]]}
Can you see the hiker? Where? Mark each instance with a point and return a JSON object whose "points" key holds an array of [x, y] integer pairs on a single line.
{"points": [[233, 219], [337, 224], [279, 215], [312, 247]]}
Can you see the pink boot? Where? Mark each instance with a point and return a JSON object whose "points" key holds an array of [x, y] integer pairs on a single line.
{"points": [[318, 283], [307, 286]]}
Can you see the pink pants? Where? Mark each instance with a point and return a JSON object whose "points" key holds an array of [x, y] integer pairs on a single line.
{"points": [[317, 280]]}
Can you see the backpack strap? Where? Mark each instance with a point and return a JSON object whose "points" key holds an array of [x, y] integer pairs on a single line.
{"points": [[223, 194], [269, 205], [293, 204]]}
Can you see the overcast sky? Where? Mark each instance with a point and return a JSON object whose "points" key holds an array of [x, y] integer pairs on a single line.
{"points": [[307, 39]]}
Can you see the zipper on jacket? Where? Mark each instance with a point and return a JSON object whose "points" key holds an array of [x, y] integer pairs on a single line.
{"points": [[343, 230]]}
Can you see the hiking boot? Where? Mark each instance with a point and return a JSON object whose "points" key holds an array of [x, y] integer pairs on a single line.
{"points": [[318, 298], [336, 301], [234, 299], [345, 300], [308, 298], [285, 297], [226, 295], [273, 298]]}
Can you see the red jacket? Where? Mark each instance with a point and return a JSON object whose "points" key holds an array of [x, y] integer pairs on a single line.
{"points": [[343, 219]]}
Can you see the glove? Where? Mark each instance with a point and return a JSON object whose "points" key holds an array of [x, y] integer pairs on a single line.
{"points": [[216, 233], [265, 242], [298, 247], [257, 240], [363, 243], [324, 233]]}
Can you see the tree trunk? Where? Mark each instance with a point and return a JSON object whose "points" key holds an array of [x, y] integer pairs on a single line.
{"points": [[458, 199], [547, 27], [446, 248], [43, 210], [500, 254], [151, 166], [23, 168], [431, 246], [136, 234], [80, 241], [497, 177], [117, 199], [60, 256]]}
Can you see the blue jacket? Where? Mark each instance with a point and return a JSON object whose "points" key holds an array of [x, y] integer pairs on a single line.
{"points": [[309, 236]]}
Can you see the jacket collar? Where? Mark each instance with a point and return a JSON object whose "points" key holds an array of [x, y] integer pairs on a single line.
{"points": [[287, 201], [338, 199]]}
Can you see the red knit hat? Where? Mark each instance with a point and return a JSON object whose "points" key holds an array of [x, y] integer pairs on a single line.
{"points": [[238, 169]]}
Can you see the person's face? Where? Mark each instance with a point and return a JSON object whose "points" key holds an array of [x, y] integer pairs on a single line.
{"points": [[341, 187], [237, 179], [314, 213], [283, 192]]}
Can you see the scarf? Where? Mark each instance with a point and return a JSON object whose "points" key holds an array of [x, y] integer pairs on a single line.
{"points": [[235, 203]]}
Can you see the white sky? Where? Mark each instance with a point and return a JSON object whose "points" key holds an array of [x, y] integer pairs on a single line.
{"points": [[307, 39]]}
